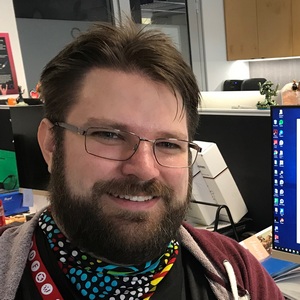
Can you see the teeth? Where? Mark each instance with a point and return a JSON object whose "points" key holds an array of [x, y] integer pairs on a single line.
{"points": [[134, 198]]}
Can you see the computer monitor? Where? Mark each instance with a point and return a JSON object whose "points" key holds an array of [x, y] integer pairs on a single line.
{"points": [[32, 169], [286, 182]]}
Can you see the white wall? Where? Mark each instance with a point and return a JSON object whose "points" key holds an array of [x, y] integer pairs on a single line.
{"points": [[8, 25]]}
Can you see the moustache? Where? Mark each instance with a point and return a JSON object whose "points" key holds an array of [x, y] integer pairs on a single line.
{"points": [[131, 186]]}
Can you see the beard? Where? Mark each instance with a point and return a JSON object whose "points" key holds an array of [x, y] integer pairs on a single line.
{"points": [[123, 237]]}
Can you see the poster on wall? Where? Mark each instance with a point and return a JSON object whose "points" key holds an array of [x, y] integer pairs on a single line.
{"points": [[8, 77]]}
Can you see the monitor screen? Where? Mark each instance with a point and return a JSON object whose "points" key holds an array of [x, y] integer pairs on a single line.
{"points": [[286, 182]]}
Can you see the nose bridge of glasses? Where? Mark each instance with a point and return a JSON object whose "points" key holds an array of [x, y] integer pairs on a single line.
{"points": [[138, 143]]}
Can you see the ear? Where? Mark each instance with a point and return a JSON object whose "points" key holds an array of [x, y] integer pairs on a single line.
{"points": [[46, 141]]}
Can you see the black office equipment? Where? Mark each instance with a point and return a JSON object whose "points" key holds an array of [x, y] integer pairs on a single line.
{"points": [[244, 141], [6, 134], [232, 85], [32, 169]]}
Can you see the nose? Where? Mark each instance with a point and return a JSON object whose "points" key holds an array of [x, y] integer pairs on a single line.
{"points": [[142, 164]]}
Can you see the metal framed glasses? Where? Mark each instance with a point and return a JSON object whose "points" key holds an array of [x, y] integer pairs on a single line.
{"points": [[114, 144]]}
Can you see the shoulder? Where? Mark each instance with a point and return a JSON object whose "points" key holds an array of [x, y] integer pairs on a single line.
{"points": [[212, 249], [207, 238], [217, 247], [5, 227]]}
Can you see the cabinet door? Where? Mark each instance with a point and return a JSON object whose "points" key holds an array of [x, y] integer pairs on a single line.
{"points": [[274, 28], [241, 29], [296, 27]]}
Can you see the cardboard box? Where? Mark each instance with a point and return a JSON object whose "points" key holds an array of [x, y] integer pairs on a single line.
{"points": [[13, 203]]}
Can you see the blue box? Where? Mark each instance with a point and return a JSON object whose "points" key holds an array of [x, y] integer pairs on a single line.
{"points": [[13, 203]]}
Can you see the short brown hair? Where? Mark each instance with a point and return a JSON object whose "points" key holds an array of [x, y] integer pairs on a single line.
{"points": [[125, 48]]}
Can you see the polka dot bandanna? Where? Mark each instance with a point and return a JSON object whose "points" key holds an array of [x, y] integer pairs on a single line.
{"points": [[95, 279]]}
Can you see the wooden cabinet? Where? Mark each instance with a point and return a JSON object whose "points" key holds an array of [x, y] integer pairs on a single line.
{"points": [[296, 27], [241, 29], [266, 27]]}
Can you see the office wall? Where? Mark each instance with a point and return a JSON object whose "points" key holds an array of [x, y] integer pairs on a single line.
{"points": [[278, 71], [218, 68], [8, 25]]}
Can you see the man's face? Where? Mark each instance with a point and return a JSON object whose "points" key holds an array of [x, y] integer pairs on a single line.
{"points": [[94, 200]]}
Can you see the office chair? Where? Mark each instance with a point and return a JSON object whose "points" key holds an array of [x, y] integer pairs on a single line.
{"points": [[252, 84]]}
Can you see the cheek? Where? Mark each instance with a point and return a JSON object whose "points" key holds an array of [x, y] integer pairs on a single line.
{"points": [[178, 181], [81, 168]]}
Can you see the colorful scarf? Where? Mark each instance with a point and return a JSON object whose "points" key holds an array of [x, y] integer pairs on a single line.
{"points": [[94, 278]]}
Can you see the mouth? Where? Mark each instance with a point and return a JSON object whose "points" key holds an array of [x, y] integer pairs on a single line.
{"points": [[133, 198]]}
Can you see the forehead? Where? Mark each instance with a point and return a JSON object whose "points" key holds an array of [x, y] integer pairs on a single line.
{"points": [[131, 99]]}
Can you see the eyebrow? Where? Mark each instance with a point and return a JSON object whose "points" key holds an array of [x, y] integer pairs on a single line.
{"points": [[106, 123]]}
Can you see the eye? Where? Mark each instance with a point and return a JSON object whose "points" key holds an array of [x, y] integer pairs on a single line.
{"points": [[169, 146], [105, 135]]}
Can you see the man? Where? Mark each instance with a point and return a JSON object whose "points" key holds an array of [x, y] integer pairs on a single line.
{"points": [[120, 115]]}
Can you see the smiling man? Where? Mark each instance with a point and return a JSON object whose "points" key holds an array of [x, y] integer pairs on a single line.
{"points": [[120, 116]]}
